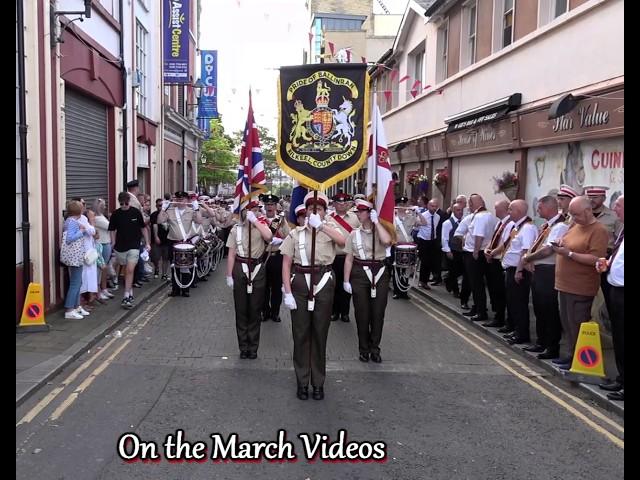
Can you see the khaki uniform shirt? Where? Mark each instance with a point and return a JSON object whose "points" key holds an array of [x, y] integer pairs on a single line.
{"points": [[169, 216], [282, 231], [610, 220], [408, 223], [351, 247], [325, 246], [258, 244], [352, 219]]}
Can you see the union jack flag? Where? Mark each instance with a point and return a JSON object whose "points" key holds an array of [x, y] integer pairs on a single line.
{"points": [[251, 177]]}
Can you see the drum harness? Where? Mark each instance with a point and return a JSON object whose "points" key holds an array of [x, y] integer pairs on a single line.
{"points": [[399, 278], [367, 269], [182, 269]]}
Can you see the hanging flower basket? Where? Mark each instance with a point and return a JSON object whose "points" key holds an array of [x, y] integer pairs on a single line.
{"points": [[441, 180], [507, 184]]}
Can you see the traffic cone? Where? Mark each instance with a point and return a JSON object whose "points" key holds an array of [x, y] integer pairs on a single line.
{"points": [[33, 311], [587, 358]]}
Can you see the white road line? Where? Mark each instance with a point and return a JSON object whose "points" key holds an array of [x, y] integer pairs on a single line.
{"points": [[610, 436]]}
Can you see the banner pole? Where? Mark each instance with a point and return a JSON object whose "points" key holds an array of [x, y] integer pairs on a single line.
{"points": [[374, 148], [313, 250]]}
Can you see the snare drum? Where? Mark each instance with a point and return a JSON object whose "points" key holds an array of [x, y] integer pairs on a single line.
{"points": [[183, 255], [406, 255]]}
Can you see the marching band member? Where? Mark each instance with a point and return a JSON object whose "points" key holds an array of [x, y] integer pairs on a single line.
{"points": [[404, 221], [280, 229], [301, 214], [310, 318], [346, 222], [180, 220], [246, 276], [367, 278]]}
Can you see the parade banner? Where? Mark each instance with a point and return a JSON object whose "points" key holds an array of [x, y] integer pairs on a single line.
{"points": [[324, 109], [176, 41], [208, 107]]}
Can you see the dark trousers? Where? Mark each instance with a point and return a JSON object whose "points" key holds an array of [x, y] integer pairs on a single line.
{"points": [[184, 277], [369, 311], [224, 232], [545, 307], [518, 301], [310, 331], [248, 307], [456, 269], [494, 275], [476, 272], [273, 288], [616, 315], [574, 311], [341, 299], [430, 259]]}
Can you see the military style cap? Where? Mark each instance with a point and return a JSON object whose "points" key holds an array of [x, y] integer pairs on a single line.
{"points": [[300, 210], [269, 198], [363, 205], [402, 200], [322, 199], [567, 191], [181, 194], [595, 190], [342, 197]]}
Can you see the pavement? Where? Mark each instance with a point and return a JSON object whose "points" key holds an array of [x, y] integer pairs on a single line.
{"points": [[439, 296], [42, 355]]}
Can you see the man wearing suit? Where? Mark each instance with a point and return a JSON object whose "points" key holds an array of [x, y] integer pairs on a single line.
{"points": [[429, 243]]}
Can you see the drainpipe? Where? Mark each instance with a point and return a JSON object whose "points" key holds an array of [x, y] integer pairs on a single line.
{"points": [[22, 129], [184, 161], [123, 70]]}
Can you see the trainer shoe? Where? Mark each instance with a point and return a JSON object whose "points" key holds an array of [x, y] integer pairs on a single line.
{"points": [[73, 315], [82, 311]]}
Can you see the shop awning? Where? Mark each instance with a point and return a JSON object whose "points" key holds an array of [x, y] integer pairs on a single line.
{"points": [[483, 114]]}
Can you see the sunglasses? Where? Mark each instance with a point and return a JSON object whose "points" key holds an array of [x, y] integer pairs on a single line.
{"points": [[122, 204]]}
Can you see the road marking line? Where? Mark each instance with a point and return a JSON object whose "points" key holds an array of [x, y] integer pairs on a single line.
{"points": [[88, 381], [451, 319], [614, 439], [42, 404]]}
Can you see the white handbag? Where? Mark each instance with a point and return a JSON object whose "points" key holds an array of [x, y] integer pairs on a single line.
{"points": [[90, 256]]}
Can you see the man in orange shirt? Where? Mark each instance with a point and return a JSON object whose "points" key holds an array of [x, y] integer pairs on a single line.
{"points": [[577, 281]]}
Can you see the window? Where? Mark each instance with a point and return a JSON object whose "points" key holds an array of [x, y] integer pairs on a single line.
{"points": [[415, 70], [549, 10], [111, 6], [142, 43], [507, 23], [171, 177], [469, 26], [443, 47], [181, 109]]}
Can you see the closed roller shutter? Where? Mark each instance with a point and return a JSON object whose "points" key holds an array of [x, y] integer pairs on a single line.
{"points": [[86, 147]]}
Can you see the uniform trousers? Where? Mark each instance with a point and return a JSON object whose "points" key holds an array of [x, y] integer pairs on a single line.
{"points": [[248, 306], [494, 275], [369, 311], [518, 301], [341, 299], [616, 315], [310, 330], [476, 272], [273, 287], [430, 259]]}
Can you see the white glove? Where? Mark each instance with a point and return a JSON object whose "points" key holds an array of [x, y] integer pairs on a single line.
{"points": [[195, 205], [276, 241], [165, 204], [230, 282], [346, 286], [374, 216], [289, 301], [315, 221], [144, 256], [251, 217]]}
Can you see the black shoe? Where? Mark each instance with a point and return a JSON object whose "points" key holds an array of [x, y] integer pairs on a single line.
{"points": [[264, 318], [611, 387], [515, 340], [376, 358], [303, 393], [619, 396], [548, 355], [395, 296], [244, 354], [465, 306], [276, 319], [364, 357], [252, 355], [318, 393], [186, 294], [174, 294], [563, 361], [505, 329], [493, 324], [509, 335], [193, 285], [436, 283], [534, 349], [345, 318], [479, 318], [204, 279], [334, 317], [470, 313], [137, 284], [456, 294]]}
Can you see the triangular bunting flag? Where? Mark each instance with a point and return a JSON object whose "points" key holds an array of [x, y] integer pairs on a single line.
{"points": [[394, 74], [387, 95], [406, 77], [332, 48]]}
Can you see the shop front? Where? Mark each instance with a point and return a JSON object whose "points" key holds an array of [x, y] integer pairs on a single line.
{"points": [[583, 146]]}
